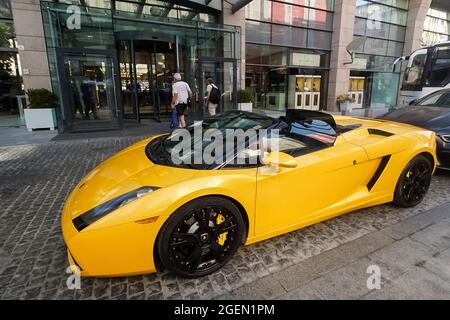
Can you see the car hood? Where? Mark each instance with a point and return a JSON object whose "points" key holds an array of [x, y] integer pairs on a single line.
{"points": [[128, 170], [432, 118]]}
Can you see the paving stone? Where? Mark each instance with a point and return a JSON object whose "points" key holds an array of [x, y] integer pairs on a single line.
{"points": [[36, 180], [401, 255], [439, 264], [416, 284], [265, 288], [436, 236], [306, 292]]}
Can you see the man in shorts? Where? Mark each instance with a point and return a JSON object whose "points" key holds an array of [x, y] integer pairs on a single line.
{"points": [[180, 95]]}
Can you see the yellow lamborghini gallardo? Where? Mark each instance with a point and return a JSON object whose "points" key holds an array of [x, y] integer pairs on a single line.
{"points": [[144, 209]]}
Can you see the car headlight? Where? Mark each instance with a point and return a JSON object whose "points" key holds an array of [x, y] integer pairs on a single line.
{"points": [[445, 137], [102, 210]]}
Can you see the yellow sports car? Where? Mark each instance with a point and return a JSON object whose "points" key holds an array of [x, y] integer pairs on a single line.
{"points": [[146, 208]]}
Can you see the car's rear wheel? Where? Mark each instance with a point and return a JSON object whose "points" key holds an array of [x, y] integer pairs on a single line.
{"points": [[201, 237], [414, 182]]}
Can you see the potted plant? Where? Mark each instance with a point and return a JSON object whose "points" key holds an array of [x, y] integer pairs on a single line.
{"points": [[245, 100], [344, 102], [40, 113]]}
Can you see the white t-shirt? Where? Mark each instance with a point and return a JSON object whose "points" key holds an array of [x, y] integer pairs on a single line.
{"points": [[182, 90]]}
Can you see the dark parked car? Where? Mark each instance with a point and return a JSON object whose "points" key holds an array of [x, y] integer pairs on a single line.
{"points": [[433, 113]]}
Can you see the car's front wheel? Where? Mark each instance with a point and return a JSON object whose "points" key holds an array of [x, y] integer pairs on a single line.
{"points": [[201, 237], [414, 182]]}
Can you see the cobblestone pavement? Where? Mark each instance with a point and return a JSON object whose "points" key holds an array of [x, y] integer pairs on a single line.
{"points": [[35, 180]]}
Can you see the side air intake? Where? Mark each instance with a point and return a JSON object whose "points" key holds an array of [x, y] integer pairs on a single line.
{"points": [[378, 172]]}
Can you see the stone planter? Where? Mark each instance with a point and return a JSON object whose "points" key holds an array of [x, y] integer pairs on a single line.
{"points": [[245, 106], [40, 118]]}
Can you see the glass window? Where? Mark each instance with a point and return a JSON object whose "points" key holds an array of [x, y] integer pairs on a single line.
{"points": [[438, 13], [399, 16], [413, 74], [384, 90], [288, 14], [288, 36], [126, 6], [105, 4], [440, 72], [319, 39], [5, 9], [377, 29], [379, 12], [395, 49], [259, 10], [430, 38], [320, 19], [440, 99], [361, 8], [261, 54], [360, 26], [397, 33], [403, 4], [257, 32], [6, 33], [319, 4], [375, 46], [373, 62], [267, 85]]}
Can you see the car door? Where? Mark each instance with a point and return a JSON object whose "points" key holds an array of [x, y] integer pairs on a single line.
{"points": [[317, 188]]}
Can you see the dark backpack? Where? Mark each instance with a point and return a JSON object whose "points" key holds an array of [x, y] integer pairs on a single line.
{"points": [[214, 95]]}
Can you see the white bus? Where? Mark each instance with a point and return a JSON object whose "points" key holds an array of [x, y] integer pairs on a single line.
{"points": [[427, 70]]}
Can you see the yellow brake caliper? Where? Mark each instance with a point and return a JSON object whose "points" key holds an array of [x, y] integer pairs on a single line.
{"points": [[223, 236]]}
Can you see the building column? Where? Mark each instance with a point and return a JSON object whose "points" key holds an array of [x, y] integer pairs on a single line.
{"points": [[237, 19], [414, 28], [343, 29], [31, 44]]}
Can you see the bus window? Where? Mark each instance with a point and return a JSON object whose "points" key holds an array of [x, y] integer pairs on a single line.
{"points": [[440, 69], [413, 74]]}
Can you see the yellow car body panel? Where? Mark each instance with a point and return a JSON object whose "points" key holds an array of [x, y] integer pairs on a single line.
{"points": [[324, 184]]}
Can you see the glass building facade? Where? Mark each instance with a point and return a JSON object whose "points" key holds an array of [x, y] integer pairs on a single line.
{"points": [[383, 23], [287, 53], [436, 27], [116, 62]]}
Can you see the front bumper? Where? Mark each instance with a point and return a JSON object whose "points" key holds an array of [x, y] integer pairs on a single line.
{"points": [[124, 249]]}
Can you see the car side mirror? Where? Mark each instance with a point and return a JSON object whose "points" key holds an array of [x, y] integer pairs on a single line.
{"points": [[413, 102], [278, 160]]}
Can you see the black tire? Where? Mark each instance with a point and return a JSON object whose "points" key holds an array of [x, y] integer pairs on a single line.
{"points": [[195, 241], [414, 182]]}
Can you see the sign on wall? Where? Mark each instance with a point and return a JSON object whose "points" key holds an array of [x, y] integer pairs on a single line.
{"points": [[305, 59]]}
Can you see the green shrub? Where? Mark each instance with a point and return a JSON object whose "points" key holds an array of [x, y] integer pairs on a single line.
{"points": [[244, 96], [345, 97], [41, 98]]}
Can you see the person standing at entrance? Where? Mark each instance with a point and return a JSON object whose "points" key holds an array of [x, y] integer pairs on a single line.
{"points": [[180, 95], [212, 97]]}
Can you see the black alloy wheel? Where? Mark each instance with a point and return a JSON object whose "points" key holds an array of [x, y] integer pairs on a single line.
{"points": [[201, 237], [414, 182]]}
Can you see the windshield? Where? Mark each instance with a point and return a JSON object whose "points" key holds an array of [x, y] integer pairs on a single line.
{"points": [[437, 99], [440, 68], [413, 74], [235, 140]]}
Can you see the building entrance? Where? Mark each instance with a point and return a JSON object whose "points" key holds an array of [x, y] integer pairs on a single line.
{"points": [[146, 76]]}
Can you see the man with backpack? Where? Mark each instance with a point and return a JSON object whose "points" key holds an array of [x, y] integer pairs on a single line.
{"points": [[212, 97]]}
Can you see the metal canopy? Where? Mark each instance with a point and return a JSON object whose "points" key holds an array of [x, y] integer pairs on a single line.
{"points": [[239, 5]]}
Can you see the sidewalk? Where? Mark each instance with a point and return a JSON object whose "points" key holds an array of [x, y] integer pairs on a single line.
{"points": [[413, 257]]}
